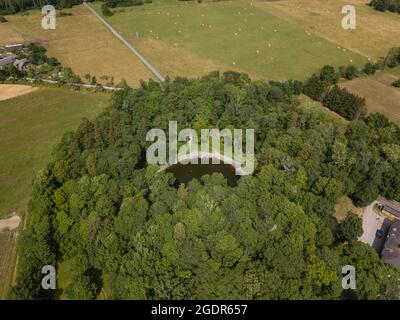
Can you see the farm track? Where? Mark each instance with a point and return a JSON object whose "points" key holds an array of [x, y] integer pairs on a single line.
{"points": [[6, 262], [117, 35]]}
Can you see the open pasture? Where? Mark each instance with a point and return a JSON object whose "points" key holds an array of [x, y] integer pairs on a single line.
{"points": [[234, 33], [376, 32]]}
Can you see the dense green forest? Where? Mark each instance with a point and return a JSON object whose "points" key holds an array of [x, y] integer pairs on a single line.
{"points": [[384, 5], [100, 208], [13, 6]]}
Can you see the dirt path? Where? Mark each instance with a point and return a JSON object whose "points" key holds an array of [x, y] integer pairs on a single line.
{"points": [[9, 91], [10, 223]]}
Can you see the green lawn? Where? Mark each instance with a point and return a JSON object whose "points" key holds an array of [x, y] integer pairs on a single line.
{"points": [[30, 126], [234, 33], [395, 71]]}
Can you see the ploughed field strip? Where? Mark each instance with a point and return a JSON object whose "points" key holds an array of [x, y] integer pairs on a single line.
{"points": [[234, 33], [380, 95]]}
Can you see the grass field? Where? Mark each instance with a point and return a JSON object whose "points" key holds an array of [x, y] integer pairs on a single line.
{"points": [[81, 42], [30, 125], [395, 71], [376, 31], [380, 95], [233, 33]]}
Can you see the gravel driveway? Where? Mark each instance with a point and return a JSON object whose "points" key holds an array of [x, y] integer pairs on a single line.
{"points": [[371, 223]]}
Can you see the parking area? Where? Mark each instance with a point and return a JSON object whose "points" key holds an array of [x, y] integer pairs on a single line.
{"points": [[373, 222]]}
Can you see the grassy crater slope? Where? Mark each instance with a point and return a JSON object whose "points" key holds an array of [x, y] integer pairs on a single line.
{"points": [[30, 125], [234, 33]]}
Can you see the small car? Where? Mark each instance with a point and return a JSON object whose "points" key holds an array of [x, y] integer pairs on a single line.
{"points": [[379, 234]]}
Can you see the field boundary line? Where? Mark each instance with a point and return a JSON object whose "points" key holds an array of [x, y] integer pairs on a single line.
{"points": [[117, 35]]}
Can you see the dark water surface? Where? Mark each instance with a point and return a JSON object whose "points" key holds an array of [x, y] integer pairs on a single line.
{"points": [[185, 173]]}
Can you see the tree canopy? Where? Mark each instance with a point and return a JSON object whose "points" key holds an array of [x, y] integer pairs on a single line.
{"points": [[101, 208]]}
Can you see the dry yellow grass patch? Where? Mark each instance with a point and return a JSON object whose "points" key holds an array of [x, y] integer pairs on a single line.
{"points": [[376, 31], [9, 91], [9, 35], [177, 61], [343, 207], [80, 42], [381, 96]]}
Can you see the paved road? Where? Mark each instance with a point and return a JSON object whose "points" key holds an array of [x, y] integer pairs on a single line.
{"points": [[115, 33]]}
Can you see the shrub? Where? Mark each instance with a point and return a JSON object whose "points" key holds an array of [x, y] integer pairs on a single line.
{"points": [[350, 72], [37, 54], [64, 14], [296, 86], [370, 68], [315, 88], [329, 75], [396, 83], [105, 10], [3, 19], [124, 3], [53, 62], [393, 58]]}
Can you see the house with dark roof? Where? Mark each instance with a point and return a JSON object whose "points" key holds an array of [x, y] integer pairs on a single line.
{"points": [[5, 61], [20, 64], [391, 251]]}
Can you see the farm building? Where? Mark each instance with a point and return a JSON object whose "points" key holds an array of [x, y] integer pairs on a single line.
{"points": [[21, 63], [391, 251], [5, 61], [14, 47], [390, 209]]}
